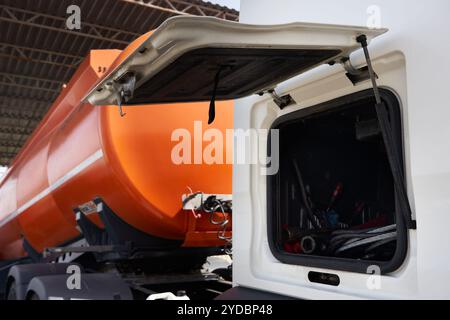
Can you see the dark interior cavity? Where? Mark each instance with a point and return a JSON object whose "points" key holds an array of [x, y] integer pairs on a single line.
{"points": [[334, 194]]}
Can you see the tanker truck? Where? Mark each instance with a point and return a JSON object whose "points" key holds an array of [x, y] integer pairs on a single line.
{"points": [[95, 207]]}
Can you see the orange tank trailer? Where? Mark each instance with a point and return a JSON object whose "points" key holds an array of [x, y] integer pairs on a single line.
{"points": [[80, 152]]}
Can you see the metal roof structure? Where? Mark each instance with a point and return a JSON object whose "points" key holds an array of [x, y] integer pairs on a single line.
{"points": [[39, 54]]}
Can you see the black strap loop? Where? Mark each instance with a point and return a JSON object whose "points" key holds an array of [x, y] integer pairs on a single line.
{"points": [[212, 104]]}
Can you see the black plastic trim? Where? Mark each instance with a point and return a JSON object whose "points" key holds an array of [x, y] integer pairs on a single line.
{"points": [[324, 278], [242, 293], [350, 265], [32, 252], [119, 232]]}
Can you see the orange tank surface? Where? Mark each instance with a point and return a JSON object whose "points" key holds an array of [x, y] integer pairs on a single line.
{"points": [[80, 152]]}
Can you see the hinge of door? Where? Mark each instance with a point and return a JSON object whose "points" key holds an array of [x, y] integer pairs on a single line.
{"points": [[355, 75], [281, 101]]}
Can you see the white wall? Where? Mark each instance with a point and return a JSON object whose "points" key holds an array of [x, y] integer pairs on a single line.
{"points": [[421, 31], [418, 28]]}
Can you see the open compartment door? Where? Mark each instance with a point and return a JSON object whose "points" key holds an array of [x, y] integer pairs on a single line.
{"points": [[202, 59]]}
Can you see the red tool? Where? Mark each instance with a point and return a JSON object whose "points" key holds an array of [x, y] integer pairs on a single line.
{"points": [[336, 193]]}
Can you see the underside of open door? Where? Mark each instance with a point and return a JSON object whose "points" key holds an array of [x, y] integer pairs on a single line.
{"points": [[198, 59], [239, 73]]}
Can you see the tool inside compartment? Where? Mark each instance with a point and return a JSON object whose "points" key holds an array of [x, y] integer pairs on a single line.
{"points": [[336, 195]]}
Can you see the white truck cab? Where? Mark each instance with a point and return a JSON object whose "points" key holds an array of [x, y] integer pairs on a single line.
{"points": [[337, 170]]}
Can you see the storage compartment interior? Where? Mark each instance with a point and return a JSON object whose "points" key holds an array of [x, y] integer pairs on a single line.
{"points": [[334, 194]]}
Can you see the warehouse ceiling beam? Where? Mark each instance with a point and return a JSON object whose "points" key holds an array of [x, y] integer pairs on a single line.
{"points": [[22, 53], [58, 24], [19, 117], [180, 7], [4, 156], [27, 87], [23, 112], [17, 100], [12, 129], [29, 82], [12, 76], [12, 144]]}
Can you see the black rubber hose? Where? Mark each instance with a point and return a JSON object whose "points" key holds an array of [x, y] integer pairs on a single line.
{"points": [[309, 212], [370, 230], [379, 244], [339, 240], [355, 236]]}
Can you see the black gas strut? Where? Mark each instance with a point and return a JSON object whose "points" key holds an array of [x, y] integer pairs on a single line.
{"points": [[386, 129]]}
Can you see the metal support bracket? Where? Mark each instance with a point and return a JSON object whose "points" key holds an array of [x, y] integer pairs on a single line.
{"points": [[57, 251], [281, 101], [356, 75], [125, 90], [195, 201]]}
